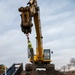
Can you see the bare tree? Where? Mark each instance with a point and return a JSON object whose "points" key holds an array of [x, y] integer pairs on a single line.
{"points": [[68, 67], [63, 68], [72, 61]]}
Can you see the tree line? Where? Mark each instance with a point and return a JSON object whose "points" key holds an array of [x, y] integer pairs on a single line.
{"points": [[69, 65]]}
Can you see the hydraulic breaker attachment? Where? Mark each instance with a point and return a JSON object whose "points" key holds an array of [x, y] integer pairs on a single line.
{"points": [[26, 19]]}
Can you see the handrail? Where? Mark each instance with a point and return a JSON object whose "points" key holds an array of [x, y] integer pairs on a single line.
{"points": [[14, 70]]}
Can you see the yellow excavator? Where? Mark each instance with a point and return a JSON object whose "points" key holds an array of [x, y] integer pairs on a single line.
{"points": [[42, 57]]}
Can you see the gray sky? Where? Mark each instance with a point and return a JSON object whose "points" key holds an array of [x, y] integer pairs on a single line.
{"points": [[58, 29]]}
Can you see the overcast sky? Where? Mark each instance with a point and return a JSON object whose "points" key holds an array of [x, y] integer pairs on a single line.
{"points": [[58, 29]]}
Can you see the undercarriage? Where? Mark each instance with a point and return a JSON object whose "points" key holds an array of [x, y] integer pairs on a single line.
{"points": [[31, 69]]}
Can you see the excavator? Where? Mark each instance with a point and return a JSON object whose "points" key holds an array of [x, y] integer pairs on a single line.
{"points": [[42, 58]]}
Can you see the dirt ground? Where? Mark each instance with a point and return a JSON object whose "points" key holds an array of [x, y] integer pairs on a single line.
{"points": [[70, 73]]}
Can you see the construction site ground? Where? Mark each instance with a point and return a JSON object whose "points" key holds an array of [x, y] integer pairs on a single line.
{"points": [[41, 73], [44, 73]]}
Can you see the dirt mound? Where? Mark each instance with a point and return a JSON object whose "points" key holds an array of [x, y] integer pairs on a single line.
{"points": [[70, 73]]}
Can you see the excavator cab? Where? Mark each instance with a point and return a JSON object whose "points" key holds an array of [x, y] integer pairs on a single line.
{"points": [[26, 19], [47, 54]]}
